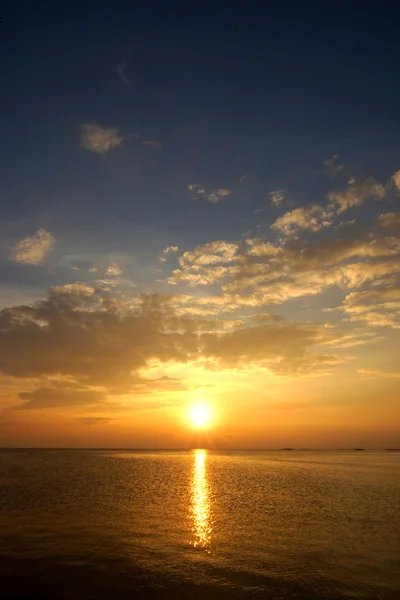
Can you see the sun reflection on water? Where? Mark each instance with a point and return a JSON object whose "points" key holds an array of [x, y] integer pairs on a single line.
{"points": [[201, 509]]}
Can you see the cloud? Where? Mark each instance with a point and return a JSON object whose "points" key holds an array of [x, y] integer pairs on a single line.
{"points": [[277, 197], [259, 247], [378, 373], [205, 265], [345, 224], [49, 397], [33, 249], [257, 273], [313, 218], [78, 289], [194, 323], [396, 179], [114, 270], [121, 70], [89, 337], [218, 195], [82, 344], [268, 283], [265, 318], [214, 197], [282, 347], [332, 168], [195, 187], [100, 139], [153, 145], [391, 220], [356, 194], [210, 254], [377, 308], [160, 385], [167, 251]]}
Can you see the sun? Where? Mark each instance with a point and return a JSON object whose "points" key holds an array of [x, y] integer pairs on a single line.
{"points": [[200, 416]]}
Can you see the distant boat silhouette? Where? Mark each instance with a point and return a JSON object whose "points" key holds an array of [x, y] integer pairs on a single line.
{"points": [[359, 449], [392, 449], [286, 449]]}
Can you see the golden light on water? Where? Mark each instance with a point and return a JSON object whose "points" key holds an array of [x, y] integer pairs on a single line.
{"points": [[201, 505]]}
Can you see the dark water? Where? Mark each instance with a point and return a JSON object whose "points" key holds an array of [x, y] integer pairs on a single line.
{"points": [[118, 525]]}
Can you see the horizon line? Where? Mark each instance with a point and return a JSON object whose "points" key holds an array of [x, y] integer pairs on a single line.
{"points": [[200, 448]]}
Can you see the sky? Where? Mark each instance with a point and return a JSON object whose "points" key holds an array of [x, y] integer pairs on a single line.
{"points": [[200, 206]]}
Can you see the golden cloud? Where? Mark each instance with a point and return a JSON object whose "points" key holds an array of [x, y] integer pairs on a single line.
{"points": [[313, 218], [82, 345], [214, 196], [356, 194], [100, 139], [32, 250], [391, 219]]}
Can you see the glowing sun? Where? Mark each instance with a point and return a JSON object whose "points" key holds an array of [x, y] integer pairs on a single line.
{"points": [[200, 416]]}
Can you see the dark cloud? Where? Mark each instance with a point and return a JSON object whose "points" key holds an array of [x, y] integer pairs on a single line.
{"points": [[281, 343], [81, 333], [50, 397], [389, 220], [82, 340]]}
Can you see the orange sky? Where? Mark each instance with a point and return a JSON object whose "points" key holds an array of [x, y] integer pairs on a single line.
{"points": [[288, 333]]}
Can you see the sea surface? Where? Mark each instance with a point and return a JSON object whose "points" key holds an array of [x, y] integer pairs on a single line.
{"points": [[94, 524]]}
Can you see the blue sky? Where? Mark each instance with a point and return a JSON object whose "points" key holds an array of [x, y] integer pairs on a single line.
{"points": [[238, 166]]}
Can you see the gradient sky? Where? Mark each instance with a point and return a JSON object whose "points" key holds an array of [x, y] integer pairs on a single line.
{"points": [[199, 204]]}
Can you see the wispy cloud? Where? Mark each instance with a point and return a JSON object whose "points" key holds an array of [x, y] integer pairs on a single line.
{"points": [[356, 194], [167, 251], [277, 197], [100, 139], [33, 249], [121, 70], [377, 373], [314, 217], [332, 167], [345, 224], [214, 196]]}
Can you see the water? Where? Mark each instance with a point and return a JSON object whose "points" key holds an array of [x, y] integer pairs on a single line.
{"points": [[271, 525]]}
